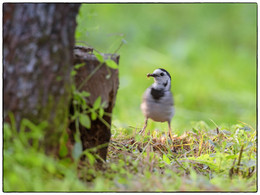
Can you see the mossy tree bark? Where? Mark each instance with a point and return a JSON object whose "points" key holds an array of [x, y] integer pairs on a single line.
{"points": [[38, 56]]}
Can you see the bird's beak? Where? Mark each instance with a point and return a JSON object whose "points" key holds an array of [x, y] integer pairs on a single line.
{"points": [[151, 75]]}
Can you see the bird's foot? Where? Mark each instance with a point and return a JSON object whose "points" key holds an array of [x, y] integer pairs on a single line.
{"points": [[170, 136]]}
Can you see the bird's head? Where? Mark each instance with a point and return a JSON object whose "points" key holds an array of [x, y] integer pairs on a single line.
{"points": [[162, 78]]}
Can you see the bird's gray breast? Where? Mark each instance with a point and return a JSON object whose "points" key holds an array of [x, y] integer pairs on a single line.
{"points": [[158, 105]]}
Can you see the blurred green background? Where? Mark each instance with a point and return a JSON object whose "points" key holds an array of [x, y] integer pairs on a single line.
{"points": [[209, 49]]}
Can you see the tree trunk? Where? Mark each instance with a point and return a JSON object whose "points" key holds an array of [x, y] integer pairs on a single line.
{"points": [[104, 83], [38, 56]]}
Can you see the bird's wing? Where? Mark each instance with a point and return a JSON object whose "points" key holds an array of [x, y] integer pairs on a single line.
{"points": [[168, 98]]}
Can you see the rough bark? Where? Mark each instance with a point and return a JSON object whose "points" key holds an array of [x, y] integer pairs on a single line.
{"points": [[38, 56], [97, 85]]}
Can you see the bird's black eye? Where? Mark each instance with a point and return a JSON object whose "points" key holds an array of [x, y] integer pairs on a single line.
{"points": [[162, 74]]}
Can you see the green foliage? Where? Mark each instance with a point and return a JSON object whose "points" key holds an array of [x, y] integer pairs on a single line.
{"points": [[153, 165], [82, 111], [209, 49], [148, 163], [166, 159], [84, 120], [111, 64], [99, 57], [27, 168]]}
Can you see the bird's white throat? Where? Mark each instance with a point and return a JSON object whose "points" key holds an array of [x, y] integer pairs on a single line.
{"points": [[166, 85]]}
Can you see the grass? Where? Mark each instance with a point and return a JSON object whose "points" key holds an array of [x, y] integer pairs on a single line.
{"points": [[202, 159], [199, 160]]}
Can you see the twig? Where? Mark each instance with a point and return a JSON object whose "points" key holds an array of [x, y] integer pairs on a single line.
{"points": [[239, 158], [181, 145], [121, 44], [143, 151], [247, 125], [200, 145], [87, 45], [104, 121], [213, 122], [90, 75], [174, 160], [94, 149]]}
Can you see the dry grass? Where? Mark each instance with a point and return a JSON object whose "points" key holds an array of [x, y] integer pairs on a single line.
{"points": [[211, 154]]}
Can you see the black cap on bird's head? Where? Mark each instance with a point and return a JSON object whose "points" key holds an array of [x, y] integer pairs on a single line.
{"points": [[166, 72], [160, 72]]}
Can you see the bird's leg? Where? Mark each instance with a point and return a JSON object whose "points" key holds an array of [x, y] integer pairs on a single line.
{"points": [[170, 130], [145, 124]]}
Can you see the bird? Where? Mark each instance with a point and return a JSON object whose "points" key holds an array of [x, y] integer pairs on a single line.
{"points": [[157, 103]]}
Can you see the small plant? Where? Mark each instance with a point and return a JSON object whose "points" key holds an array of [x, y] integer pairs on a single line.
{"points": [[83, 113], [26, 167]]}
